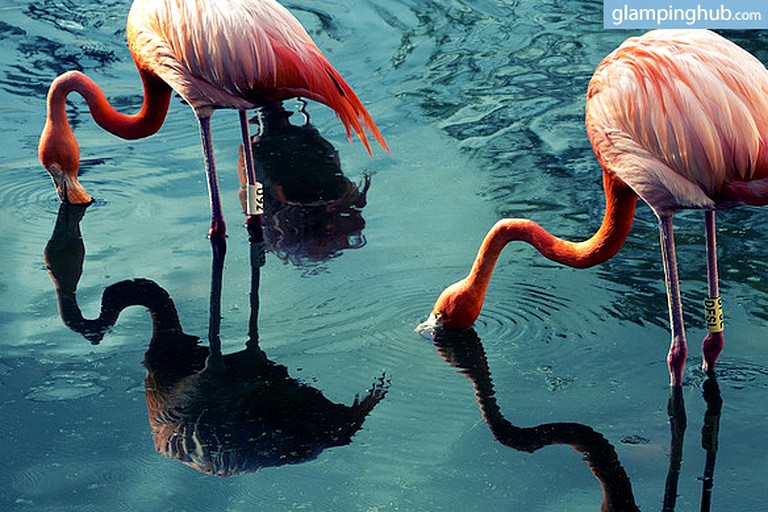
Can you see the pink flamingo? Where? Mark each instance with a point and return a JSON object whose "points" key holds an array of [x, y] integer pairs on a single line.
{"points": [[237, 54], [678, 118]]}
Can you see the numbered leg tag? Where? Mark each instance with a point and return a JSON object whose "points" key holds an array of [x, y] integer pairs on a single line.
{"points": [[713, 313], [255, 199]]}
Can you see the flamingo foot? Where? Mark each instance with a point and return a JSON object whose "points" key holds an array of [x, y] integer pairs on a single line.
{"points": [[711, 348], [678, 352], [253, 224], [218, 229]]}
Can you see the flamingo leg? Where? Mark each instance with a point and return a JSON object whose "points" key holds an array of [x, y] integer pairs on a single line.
{"points": [[255, 191], [218, 228], [714, 341], [678, 349]]}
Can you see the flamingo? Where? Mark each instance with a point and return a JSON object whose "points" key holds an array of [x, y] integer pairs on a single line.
{"points": [[237, 54], [678, 118]]}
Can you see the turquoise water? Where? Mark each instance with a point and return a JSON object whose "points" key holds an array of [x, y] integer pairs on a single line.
{"points": [[482, 105]]}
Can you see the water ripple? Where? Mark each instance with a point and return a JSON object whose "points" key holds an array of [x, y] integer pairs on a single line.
{"points": [[387, 306], [67, 385], [29, 194], [742, 375]]}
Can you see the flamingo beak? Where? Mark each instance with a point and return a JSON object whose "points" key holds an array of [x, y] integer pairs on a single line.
{"points": [[68, 187], [429, 328]]}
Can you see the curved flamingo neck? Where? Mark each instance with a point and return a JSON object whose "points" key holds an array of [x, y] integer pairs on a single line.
{"points": [[148, 120], [603, 245], [116, 298], [465, 351]]}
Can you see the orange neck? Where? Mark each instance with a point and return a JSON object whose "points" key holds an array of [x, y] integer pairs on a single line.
{"points": [[617, 221], [147, 121]]}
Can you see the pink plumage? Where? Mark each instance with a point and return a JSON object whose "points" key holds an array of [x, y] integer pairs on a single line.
{"points": [[678, 118], [676, 114], [237, 54]]}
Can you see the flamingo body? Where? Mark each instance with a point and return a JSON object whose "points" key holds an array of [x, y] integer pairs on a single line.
{"points": [[678, 118], [679, 115], [236, 54]]}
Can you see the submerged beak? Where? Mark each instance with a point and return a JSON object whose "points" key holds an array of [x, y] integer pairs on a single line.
{"points": [[428, 329], [69, 189]]}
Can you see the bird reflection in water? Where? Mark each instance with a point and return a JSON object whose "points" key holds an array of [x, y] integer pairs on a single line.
{"points": [[312, 211], [464, 350], [710, 432], [220, 414]]}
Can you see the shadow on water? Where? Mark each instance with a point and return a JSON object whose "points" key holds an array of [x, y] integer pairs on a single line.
{"points": [[220, 414]]}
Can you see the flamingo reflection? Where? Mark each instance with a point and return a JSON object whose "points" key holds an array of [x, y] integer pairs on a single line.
{"points": [[464, 350], [220, 414], [710, 432], [312, 212]]}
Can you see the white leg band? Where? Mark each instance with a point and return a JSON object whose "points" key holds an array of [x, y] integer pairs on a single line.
{"points": [[255, 199]]}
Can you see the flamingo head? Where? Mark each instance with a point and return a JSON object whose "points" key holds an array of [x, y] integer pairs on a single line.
{"points": [[456, 308], [60, 155]]}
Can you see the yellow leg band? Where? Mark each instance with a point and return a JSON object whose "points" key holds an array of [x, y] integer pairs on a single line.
{"points": [[713, 313]]}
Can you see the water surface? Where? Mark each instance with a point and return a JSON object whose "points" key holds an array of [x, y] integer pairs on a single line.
{"points": [[482, 104]]}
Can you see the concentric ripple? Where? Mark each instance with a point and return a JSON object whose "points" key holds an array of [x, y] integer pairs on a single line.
{"points": [[741, 374], [29, 194], [67, 385]]}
